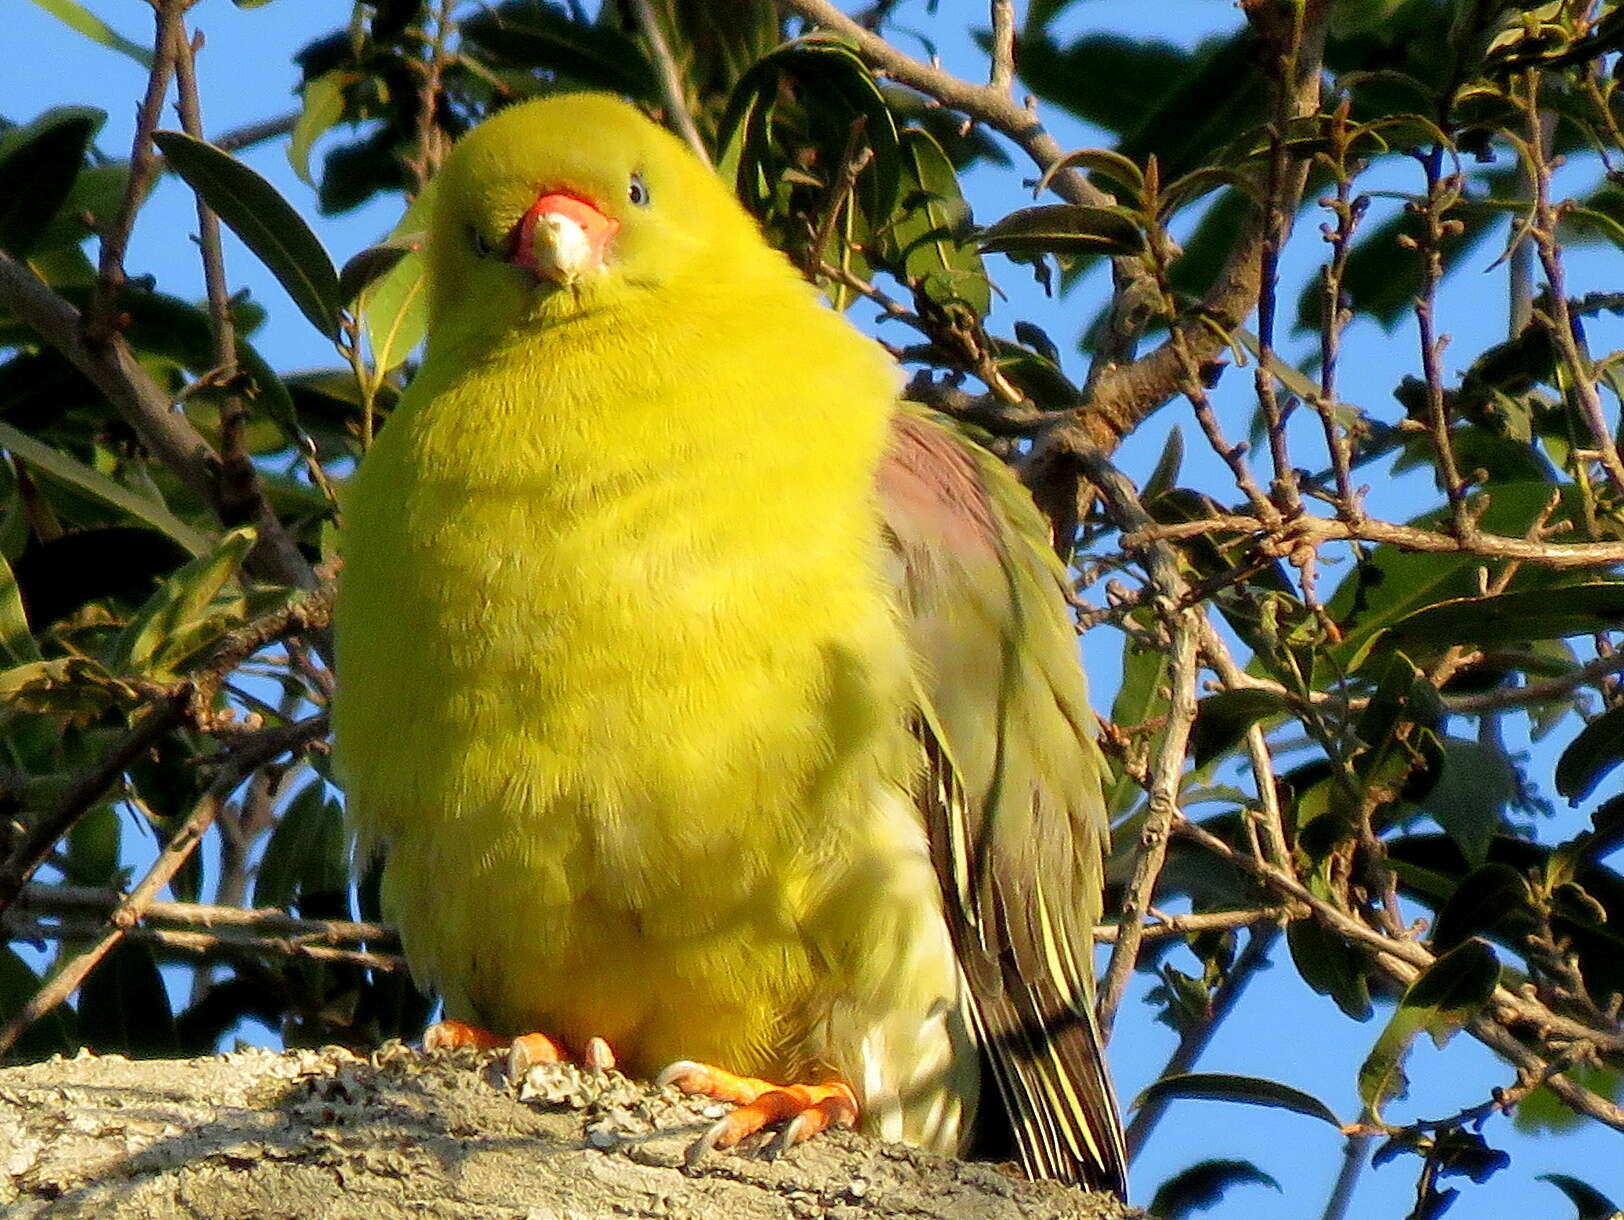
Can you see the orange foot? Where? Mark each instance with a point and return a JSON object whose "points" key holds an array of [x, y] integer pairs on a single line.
{"points": [[804, 1109], [524, 1052]]}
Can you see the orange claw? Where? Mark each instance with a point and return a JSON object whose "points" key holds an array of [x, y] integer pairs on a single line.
{"points": [[450, 1035], [527, 1050], [524, 1051], [804, 1109]]}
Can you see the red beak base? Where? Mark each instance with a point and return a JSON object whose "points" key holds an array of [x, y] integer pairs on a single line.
{"points": [[562, 237]]}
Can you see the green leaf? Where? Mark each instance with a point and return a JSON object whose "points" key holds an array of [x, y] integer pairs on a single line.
{"points": [[1485, 898], [1140, 697], [1250, 1090], [323, 107], [124, 1006], [1330, 966], [92, 482], [17, 645], [928, 236], [91, 205], [528, 36], [1223, 719], [1064, 228], [1166, 474], [1444, 997], [1126, 180], [394, 307], [1542, 1112], [1590, 1202], [372, 264], [1350, 17], [1471, 793], [1204, 1185], [1389, 583], [265, 221], [1597, 749], [74, 15], [38, 163], [163, 631], [92, 857], [307, 853], [1513, 618], [52, 1034]]}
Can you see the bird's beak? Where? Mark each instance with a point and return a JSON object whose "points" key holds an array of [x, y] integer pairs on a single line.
{"points": [[561, 238]]}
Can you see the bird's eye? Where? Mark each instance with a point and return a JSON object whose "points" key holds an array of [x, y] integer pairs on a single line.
{"points": [[481, 246], [637, 191]]}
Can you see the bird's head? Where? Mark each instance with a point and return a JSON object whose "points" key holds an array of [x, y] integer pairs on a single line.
{"points": [[571, 203]]}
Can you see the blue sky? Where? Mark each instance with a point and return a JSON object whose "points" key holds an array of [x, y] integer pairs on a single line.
{"points": [[1281, 1030]]}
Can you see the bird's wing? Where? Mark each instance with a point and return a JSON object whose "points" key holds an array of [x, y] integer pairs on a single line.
{"points": [[1012, 794]]}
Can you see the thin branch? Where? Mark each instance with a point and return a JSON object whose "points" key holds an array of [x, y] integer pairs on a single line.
{"points": [[165, 432], [1320, 530], [1353, 1164], [241, 761], [1535, 692], [84, 792], [1002, 74], [236, 481], [1183, 623], [1167, 772], [670, 79], [1335, 315], [191, 699], [58, 912], [59, 900], [250, 134], [1441, 195], [1560, 324], [1160, 925], [144, 166], [207, 945], [1401, 959], [1197, 1038]]}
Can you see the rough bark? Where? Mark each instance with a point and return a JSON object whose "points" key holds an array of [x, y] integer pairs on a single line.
{"points": [[327, 1135]]}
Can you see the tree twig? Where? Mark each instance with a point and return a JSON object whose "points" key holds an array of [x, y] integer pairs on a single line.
{"points": [[189, 699], [1197, 1038], [241, 760], [114, 370], [670, 79], [1320, 530], [1001, 75], [1401, 959]]}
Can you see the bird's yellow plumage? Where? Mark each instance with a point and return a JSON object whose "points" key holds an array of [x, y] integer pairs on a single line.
{"points": [[630, 697]]}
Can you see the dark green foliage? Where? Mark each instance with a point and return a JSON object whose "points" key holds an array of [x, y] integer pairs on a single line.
{"points": [[1390, 674]]}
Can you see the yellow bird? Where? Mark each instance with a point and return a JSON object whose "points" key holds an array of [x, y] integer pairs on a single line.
{"points": [[705, 700]]}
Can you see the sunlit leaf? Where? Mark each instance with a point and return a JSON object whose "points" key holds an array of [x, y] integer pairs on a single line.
{"points": [[92, 482], [154, 635], [17, 644], [266, 222], [1064, 228], [1444, 997], [76, 17], [1506, 618], [323, 107]]}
